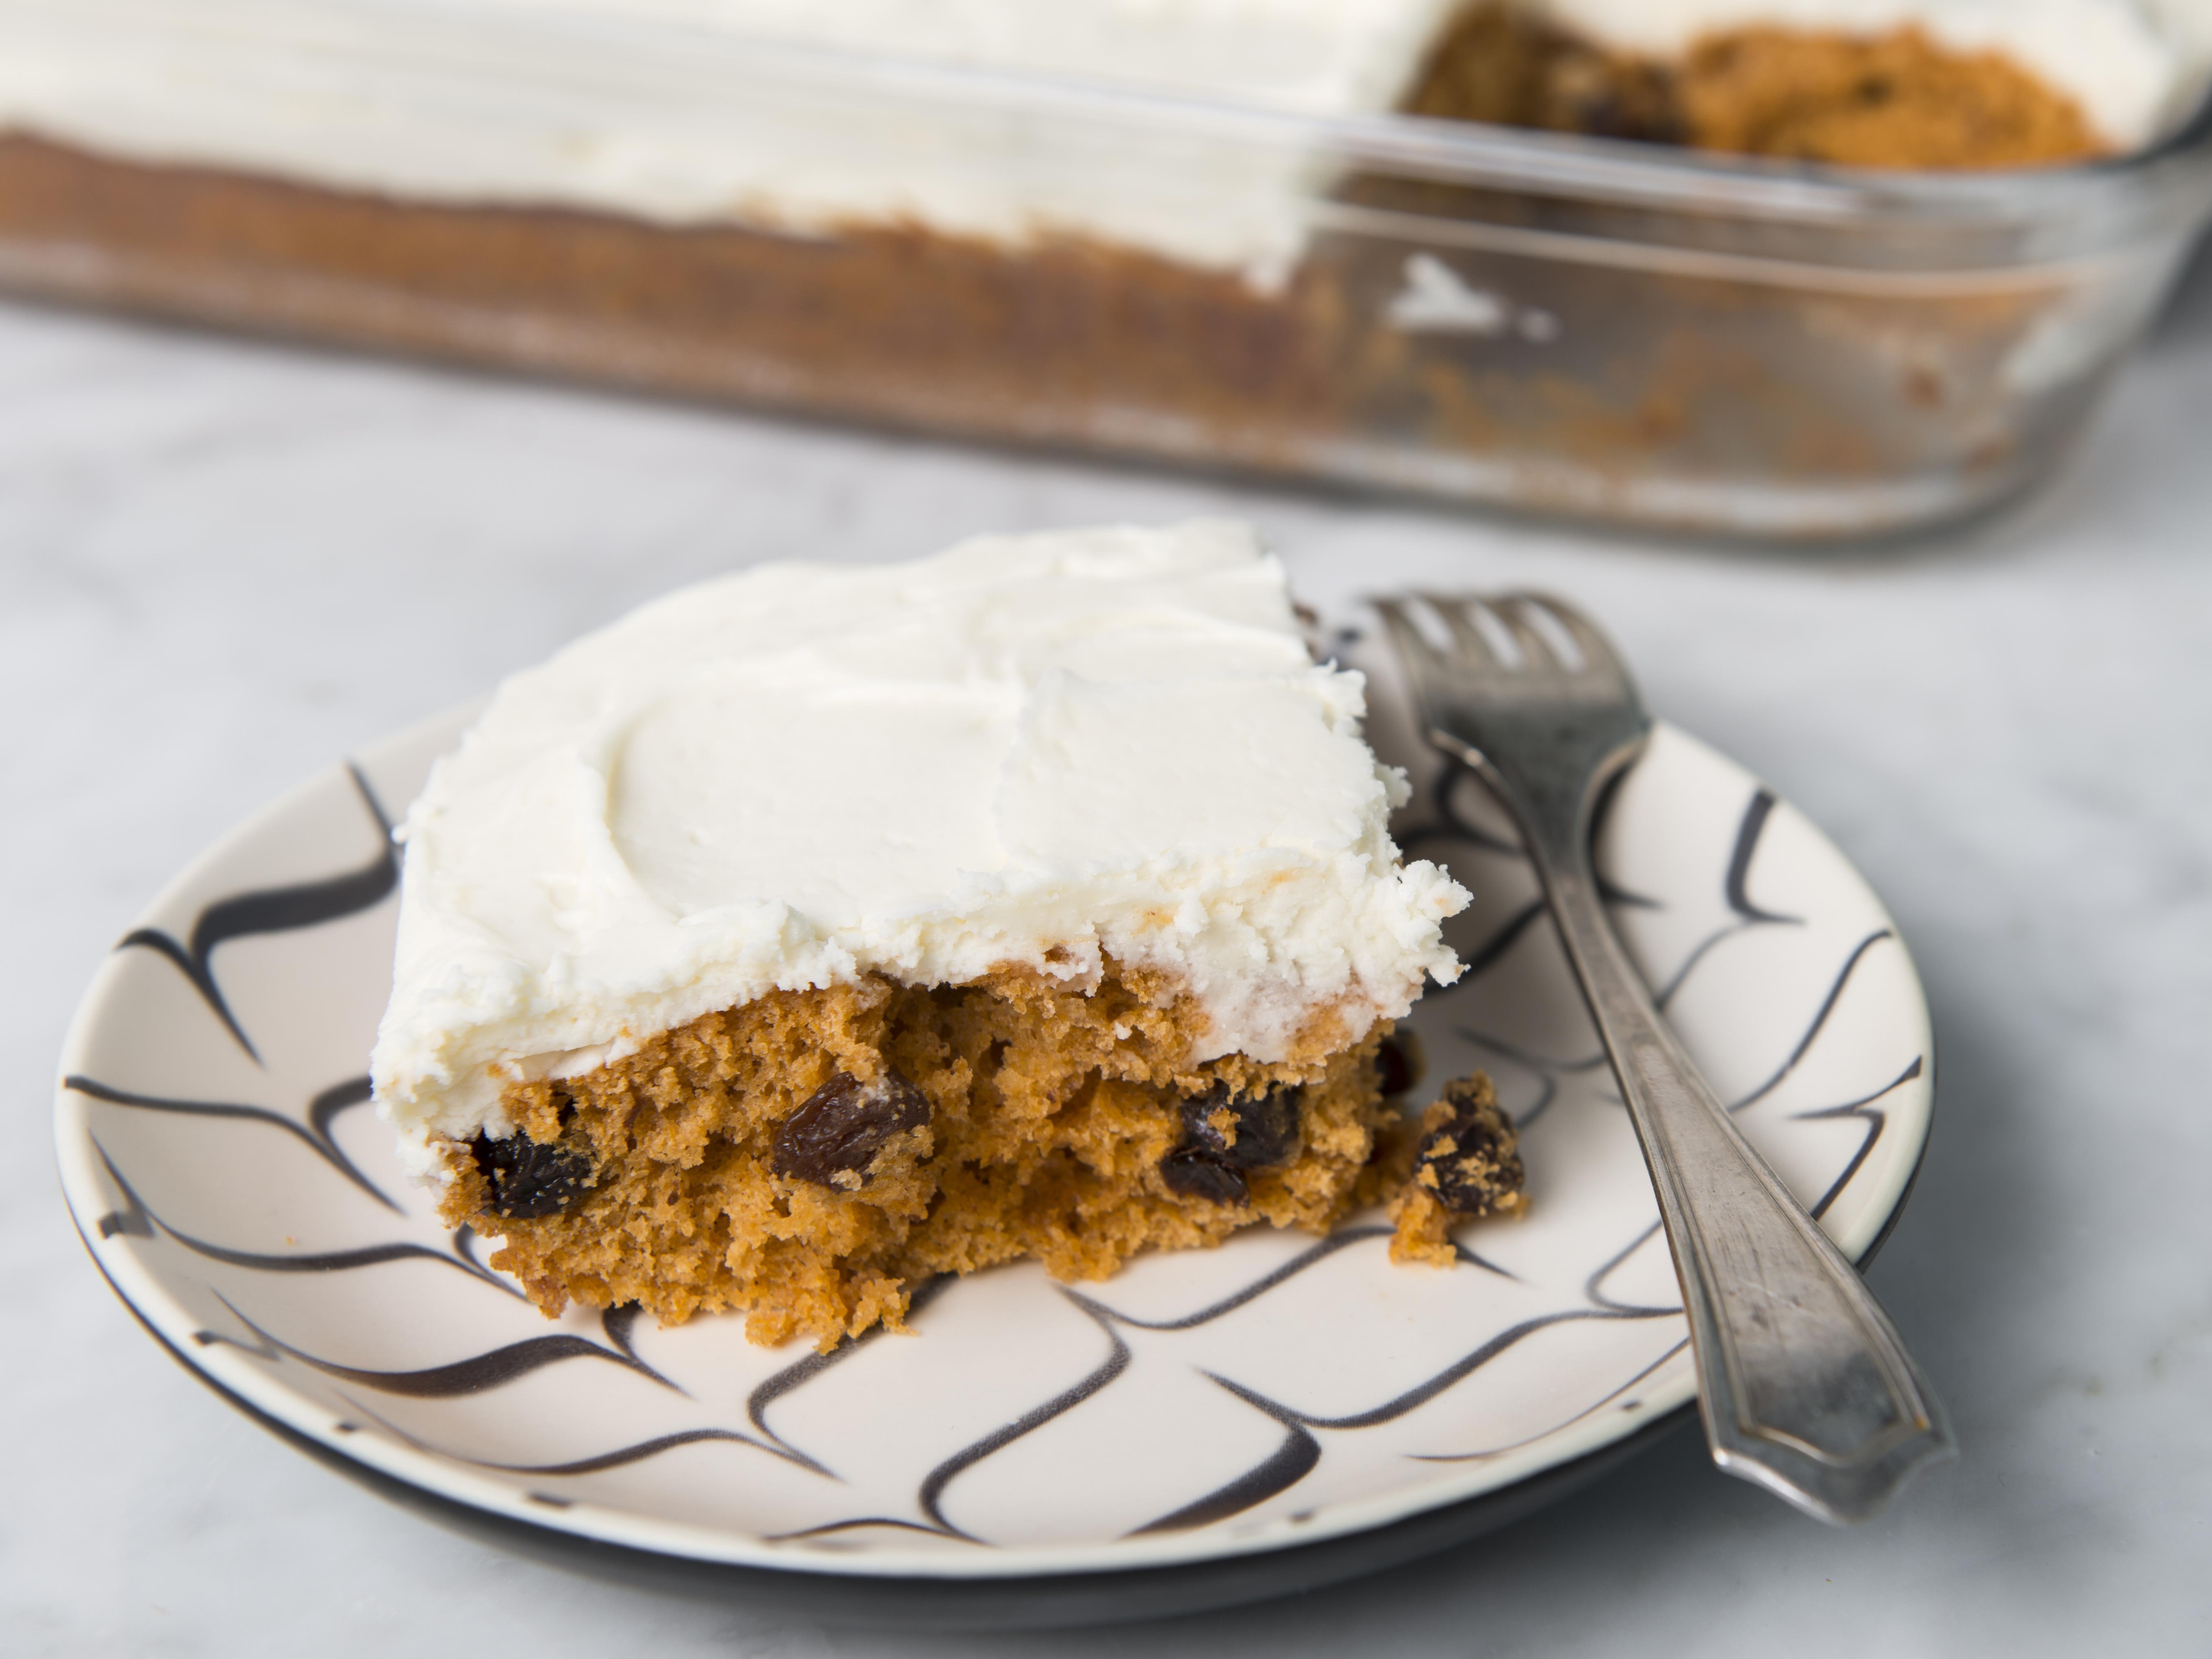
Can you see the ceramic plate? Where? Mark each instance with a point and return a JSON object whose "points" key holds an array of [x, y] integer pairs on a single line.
{"points": [[1248, 1404]]}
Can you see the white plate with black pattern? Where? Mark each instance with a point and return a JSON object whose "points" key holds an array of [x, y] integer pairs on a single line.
{"points": [[1204, 1427]]}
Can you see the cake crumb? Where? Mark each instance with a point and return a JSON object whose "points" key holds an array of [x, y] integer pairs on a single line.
{"points": [[1466, 1166]]}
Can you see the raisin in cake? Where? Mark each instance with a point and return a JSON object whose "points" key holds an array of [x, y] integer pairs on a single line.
{"points": [[814, 932]]}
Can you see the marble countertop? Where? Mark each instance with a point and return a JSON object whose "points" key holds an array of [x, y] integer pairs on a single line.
{"points": [[225, 563]]}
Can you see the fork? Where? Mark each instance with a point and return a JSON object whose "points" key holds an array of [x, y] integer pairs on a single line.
{"points": [[1805, 1386]]}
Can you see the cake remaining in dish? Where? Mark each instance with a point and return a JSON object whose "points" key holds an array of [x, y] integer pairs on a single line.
{"points": [[1889, 83], [1194, 229], [159, 82], [814, 932], [1901, 83]]}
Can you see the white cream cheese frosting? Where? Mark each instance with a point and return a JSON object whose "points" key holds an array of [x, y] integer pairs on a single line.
{"points": [[1031, 750]]}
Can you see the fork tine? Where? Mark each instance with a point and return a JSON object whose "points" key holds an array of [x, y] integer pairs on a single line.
{"points": [[1455, 610], [1420, 657], [1598, 654], [1536, 651]]}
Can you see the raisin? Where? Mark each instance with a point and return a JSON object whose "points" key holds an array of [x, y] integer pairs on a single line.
{"points": [[842, 1126], [1265, 1130], [1192, 1172], [529, 1181], [1469, 1158], [1398, 1062], [1223, 1134]]}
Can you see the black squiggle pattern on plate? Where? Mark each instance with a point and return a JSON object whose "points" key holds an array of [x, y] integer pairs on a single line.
{"points": [[1619, 898], [324, 1108], [1610, 891], [1747, 833], [1548, 1090], [1422, 1393], [1478, 961], [1490, 1452], [861, 1523], [477, 1374], [800, 1372], [931, 1498], [316, 1137], [138, 1218], [1875, 1121], [1734, 889], [1547, 1086], [131, 1220], [1820, 1019], [464, 1246], [636, 1454], [618, 1458], [1594, 1286], [1317, 1252], [1534, 1062], [618, 1323], [1450, 823], [1289, 1463], [1547, 1071], [273, 910]]}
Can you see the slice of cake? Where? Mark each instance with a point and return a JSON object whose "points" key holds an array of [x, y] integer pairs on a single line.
{"points": [[816, 931]]}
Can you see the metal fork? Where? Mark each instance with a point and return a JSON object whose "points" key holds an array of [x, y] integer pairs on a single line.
{"points": [[1803, 1382]]}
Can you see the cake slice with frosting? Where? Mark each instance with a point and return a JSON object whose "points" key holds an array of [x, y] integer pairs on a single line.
{"points": [[816, 931]]}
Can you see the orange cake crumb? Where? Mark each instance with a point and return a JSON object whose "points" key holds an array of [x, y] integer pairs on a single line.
{"points": [[1466, 1166]]}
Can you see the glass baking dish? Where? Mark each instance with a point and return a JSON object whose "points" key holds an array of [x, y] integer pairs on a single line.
{"points": [[1583, 326]]}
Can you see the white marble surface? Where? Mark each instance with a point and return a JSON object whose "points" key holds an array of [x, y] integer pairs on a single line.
{"points": [[222, 564]]}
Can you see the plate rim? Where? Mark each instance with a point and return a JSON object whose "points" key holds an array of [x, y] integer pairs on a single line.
{"points": [[265, 1399]]}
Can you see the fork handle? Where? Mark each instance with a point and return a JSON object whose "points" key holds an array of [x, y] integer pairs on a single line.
{"points": [[1804, 1385]]}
